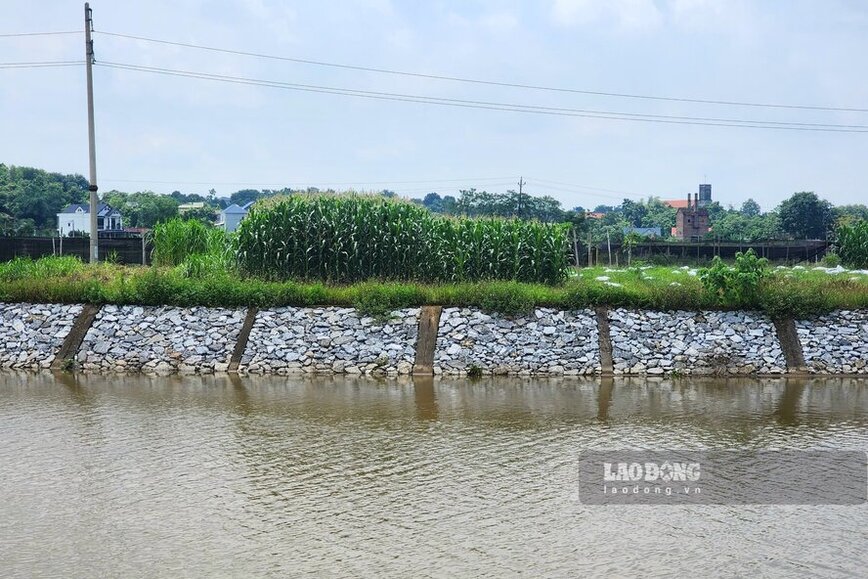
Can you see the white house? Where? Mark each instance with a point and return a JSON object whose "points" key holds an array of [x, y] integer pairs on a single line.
{"points": [[76, 218], [232, 216]]}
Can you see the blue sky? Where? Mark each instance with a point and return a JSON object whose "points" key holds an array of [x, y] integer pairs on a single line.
{"points": [[164, 133]]}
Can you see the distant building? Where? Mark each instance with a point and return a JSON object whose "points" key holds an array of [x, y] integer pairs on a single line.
{"points": [[594, 215], [76, 219], [232, 216], [704, 194], [184, 207], [644, 231], [691, 222], [703, 198]]}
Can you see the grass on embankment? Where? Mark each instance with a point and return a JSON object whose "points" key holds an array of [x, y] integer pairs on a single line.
{"points": [[785, 292]]}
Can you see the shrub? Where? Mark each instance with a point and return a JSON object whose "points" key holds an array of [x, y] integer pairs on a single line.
{"points": [[735, 286], [831, 259]]}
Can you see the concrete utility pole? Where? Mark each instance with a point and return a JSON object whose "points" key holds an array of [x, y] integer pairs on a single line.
{"points": [[94, 199], [520, 195]]}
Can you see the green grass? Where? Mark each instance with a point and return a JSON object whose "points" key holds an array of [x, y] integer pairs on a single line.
{"points": [[786, 292]]}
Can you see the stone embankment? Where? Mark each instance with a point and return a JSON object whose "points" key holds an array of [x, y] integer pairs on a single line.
{"points": [[547, 342], [31, 334], [646, 342], [160, 339], [330, 340], [454, 341], [836, 343]]}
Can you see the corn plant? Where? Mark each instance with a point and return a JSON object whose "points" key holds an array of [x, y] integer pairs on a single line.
{"points": [[852, 243], [345, 239]]}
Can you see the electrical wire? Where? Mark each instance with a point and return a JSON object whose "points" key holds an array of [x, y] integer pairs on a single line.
{"points": [[324, 183], [487, 82], [22, 34], [489, 105], [42, 64]]}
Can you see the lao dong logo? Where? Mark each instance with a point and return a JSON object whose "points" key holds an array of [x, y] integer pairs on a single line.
{"points": [[651, 472]]}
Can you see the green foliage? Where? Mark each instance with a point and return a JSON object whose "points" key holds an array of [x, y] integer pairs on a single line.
{"points": [[806, 216], [852, 243], [380, 300], [31, 198], [177, 239], [144, 208], [781, 298], [735, 286], [27, 268], [197, 281], [353, 238], [508, 298], [831, 259]]}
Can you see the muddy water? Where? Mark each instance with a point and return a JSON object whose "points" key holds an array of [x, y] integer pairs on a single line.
{"points": [[138, 476]]}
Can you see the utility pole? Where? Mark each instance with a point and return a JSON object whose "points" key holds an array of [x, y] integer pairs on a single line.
{"points": [[94, 199], [520, 195]]}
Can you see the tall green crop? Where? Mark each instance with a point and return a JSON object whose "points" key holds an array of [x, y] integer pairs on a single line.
{"points": [[344, 239]]}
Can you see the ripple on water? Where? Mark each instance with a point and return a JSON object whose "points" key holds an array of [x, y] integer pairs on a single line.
{"points": [[192, 475]]}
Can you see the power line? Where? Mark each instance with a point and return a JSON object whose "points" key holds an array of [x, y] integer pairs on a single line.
{"points": [[510, 107], [20, 34], [489, 82], [41, 64], [324, 183], [572, 185]]}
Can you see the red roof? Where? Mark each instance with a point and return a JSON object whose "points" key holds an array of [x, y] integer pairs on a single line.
{"points": [[676, 203], [594, 215]]}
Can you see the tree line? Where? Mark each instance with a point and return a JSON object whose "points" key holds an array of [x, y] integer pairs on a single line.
{"points": [[30, 199]]}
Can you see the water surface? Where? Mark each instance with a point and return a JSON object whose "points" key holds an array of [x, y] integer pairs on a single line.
{"points": [[212, 476]]}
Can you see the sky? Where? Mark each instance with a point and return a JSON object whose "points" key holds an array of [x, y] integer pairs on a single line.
{"points": [[164, 133]]}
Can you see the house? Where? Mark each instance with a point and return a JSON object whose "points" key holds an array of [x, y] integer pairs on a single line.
{"points": [[644, 231], [691, 222], [232, 216], [184, 207], [76, 219]]}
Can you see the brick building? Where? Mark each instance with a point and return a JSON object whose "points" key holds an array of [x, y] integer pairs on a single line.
{"points": [[691, 222]]}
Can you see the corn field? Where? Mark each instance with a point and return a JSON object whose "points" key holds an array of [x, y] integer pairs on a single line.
{"points": [[354, 238], [852, 244]]}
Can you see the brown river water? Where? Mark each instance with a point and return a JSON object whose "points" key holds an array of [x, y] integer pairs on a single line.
{"points": [[127, 476]]}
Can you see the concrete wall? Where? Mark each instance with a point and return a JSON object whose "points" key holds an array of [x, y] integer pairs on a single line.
{"points": [[335, 340]]}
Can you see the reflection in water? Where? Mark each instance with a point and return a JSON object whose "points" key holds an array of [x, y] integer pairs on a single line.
{"points": [[228, 475]]}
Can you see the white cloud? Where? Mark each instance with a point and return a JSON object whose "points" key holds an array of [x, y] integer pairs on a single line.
{"points": [[499, 21], [706, 14], [625, 14]]}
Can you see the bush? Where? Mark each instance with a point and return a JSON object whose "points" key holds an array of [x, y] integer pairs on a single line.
{"points": [[735, 286], [347, 239], [831, 259]]}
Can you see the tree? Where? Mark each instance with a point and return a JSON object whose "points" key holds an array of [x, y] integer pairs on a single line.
{"points": [[750, 208], [806, 216], [433, 202], [245, 196]]}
